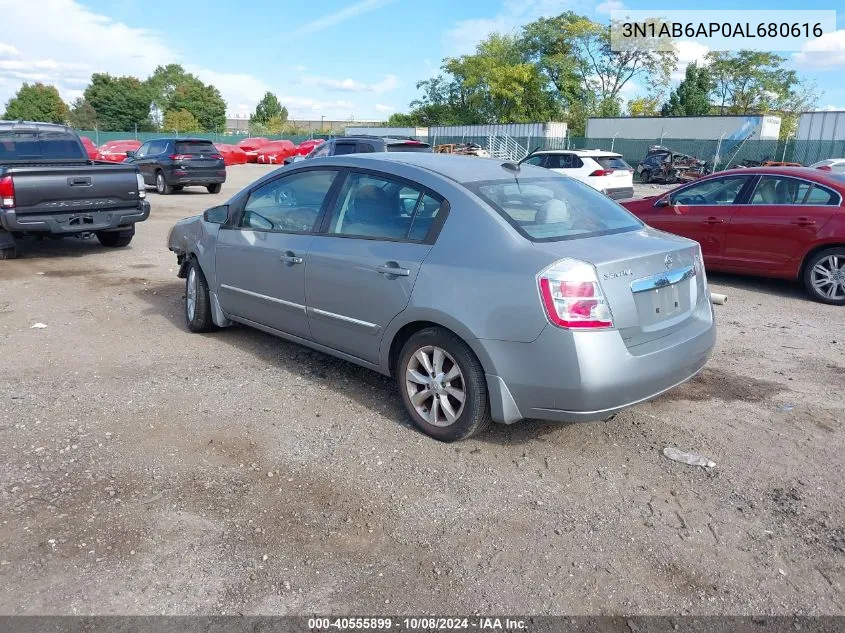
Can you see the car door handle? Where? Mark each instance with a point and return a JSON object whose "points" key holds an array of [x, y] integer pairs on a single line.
{"points": [[803, 222], [393, 270], [714, 220], [291, 258]]}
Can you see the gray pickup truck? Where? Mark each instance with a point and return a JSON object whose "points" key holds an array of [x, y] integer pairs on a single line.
{"points": [[49, 187]]}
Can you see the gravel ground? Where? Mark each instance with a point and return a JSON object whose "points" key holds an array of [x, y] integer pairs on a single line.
{"points": [[149, 470]]}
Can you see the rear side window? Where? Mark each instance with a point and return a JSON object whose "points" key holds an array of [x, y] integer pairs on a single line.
{"points": [[559, 161], [781, 190], [366, 148], [195, 148], [40, 145], [547, 210], [409, 147], [611, 162], [344, 148]]}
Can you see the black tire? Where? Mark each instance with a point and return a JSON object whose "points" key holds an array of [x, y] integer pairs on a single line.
{"points": [[161, 185], [474, 415], [114, 239], [645, 176], [826, 258], [10, 252], [215, 188], [200, 321]]}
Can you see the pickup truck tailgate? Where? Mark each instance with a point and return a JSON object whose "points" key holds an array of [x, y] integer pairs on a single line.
{"points": [[64, 188]]}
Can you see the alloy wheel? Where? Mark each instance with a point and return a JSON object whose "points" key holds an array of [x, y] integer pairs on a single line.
{"points": [[435, 385], [191, 293], [828, 277]]}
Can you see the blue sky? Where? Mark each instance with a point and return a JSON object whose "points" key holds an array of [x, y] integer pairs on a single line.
{"points": [[337, 58]]}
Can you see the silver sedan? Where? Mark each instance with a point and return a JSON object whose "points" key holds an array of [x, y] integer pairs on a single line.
{"points": [[489, 291]]}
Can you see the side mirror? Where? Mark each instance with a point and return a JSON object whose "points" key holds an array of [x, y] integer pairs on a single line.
{"points": [[130, 153], [662, 202], [216, 215]]}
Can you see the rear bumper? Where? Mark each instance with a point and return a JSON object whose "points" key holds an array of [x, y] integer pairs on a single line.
{"points": [[74, 222], [195, 181], [584, 376], [619, 193]]}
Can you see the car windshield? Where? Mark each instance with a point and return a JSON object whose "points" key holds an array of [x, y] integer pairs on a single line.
{"points": [[552, 209], [612, 162], [39, 145], [195, 148]]}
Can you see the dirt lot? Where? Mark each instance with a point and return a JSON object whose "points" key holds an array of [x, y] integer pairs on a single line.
{"points": [[149, 470]]}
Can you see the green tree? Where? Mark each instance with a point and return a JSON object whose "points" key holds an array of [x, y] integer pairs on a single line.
{"points": [[269, 108], [83, 116], [643, 106], [121, 103], [173, 88], [180, 121], [37, 102], [692, 96], [750, 82]]}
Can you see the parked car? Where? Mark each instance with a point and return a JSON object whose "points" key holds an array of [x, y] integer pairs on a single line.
{"points": [[306, 147], [565, 308], [251, 146], [171, 164], [784, 222], [275, 152], [49, 187], [368, 145], [232, 154], [115, 151], [666, 166], [605, 171], [91, 149], [836, 165]]}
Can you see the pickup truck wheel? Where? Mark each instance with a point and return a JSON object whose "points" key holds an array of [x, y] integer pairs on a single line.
{"points": [[8, 253], [215, 188], [114, 239], [197, 301], [824, 276], [161, 185], [443, 386]]}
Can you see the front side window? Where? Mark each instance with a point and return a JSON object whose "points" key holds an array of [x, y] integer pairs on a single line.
{"points": [[322, 151], [709, 192], [290, 204], [377, 207], [545, 210], [143, 150], [536, 160], [559, 161]]}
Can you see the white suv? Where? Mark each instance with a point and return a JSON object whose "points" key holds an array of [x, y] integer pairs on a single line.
{"points": [[602, 170]]}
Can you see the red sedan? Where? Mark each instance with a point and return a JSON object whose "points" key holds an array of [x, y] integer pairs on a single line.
{"points": [[115, 151], [784, 222]]}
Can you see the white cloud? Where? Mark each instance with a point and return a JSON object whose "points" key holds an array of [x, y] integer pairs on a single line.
{"points": [[833, 108], [462, 38], [823, 53], [7, 50], [381, 107], [688, 51], [610, 5], [298, 69], [390, 82], [344, 14]]}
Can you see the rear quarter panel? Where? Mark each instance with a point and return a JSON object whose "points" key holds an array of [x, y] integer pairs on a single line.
{"points": [[832, 233]]}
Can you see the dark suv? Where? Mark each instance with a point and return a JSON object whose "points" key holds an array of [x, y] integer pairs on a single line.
{"points": [[174, 163], [365, 145]]}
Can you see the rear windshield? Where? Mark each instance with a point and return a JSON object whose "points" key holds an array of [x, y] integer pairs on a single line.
{"points": [[195, 148], [40, 145], [611, 162], [553, 209], [409, 147]]}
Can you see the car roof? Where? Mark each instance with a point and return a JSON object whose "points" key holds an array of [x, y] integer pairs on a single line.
{"points": [[579, 152], [32, 126], [461, 169], [808, 173]]}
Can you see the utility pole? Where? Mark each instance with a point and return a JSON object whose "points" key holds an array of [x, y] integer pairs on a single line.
{"points": [[136, 131]]}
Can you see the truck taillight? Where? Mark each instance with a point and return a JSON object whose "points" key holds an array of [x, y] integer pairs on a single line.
{"points": [[602, 172], [572, 296], [142, 187], [7, 193]]}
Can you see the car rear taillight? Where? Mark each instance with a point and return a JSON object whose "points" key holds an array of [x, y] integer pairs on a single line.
{"points": [[180, 156], [572, 296], [216, 156], [142, 187], [7, 193], [602, 172]]}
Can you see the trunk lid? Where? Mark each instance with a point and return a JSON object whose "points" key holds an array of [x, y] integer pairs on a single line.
{"points": [[64, 188], [651, 280]]}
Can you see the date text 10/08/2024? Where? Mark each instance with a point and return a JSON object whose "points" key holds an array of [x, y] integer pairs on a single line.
{"points": [[417, 623]]}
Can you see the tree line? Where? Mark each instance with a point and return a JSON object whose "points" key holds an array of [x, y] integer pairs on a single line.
{"points": [[170, 99], [563, 68]]}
